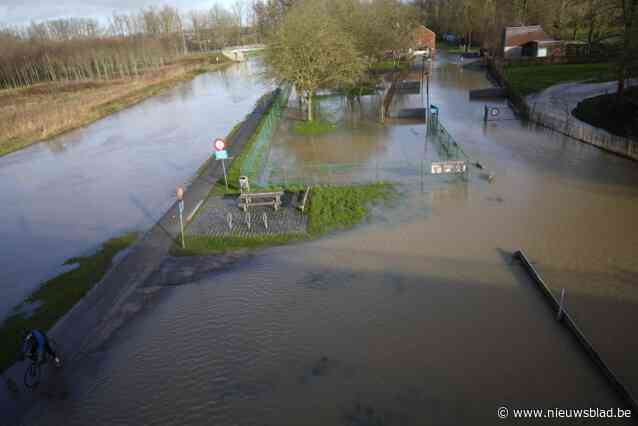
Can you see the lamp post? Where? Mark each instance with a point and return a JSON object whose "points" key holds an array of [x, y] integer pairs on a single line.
{"points": [[179, 193]]}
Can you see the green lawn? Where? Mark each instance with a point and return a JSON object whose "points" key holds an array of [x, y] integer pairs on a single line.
{"points": [[58, 295], [527, 79]]}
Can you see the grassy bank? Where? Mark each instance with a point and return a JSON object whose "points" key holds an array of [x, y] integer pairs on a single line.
{"points": [[42, 111], [527, 79], [332, 208], [607, 112], [57, 296]]}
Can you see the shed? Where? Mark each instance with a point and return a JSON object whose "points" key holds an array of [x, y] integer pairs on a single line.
{"points": [[529, 41]]}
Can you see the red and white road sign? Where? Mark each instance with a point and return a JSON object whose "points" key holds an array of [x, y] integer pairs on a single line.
{"points": [[220, 145]]}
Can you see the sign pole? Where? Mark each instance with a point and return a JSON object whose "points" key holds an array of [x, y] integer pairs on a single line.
{"points": [[225, 177], [180, 206], [221, 154], [181, 221]]}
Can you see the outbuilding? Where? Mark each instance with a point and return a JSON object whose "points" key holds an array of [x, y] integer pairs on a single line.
{"points": [[529, 42]]}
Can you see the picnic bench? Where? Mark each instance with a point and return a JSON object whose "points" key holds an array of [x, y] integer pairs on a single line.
{"points": [[256, 199]]}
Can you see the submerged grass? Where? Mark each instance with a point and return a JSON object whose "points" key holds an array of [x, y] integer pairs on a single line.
{"points": [[57, 296], [314, 128]]}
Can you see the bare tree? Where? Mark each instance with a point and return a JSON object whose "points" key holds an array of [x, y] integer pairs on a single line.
{"points": [[311, 51]]}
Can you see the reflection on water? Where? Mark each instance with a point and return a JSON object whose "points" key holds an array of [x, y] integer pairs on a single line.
{"points": [[63, 197], [419, 317]]}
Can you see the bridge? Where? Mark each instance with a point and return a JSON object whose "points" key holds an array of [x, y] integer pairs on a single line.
{"points": [[238, 53]]}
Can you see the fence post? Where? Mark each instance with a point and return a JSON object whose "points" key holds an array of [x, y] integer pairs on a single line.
{"points": [[561, 305]]}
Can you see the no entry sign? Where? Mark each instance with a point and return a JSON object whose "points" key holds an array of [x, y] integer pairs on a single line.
{"points": [[220, 145]]}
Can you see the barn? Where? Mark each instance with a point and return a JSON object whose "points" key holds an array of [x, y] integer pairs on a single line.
{"points": [[529, 42]]}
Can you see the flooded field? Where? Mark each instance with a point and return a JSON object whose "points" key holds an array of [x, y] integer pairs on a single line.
{"points": [[418, 317], [64, 197]]}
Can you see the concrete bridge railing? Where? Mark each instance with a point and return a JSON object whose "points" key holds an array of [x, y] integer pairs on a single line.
{"points": [[238, 53]]}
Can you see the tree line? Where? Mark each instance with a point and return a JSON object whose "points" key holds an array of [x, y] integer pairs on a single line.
{"points": [[129, 45], [607, 27]]}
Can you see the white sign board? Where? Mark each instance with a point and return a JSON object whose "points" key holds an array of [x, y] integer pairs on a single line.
{"points": [[446, 167]]}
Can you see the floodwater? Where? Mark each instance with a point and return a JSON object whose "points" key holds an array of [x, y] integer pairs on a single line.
{"points": [[418, 317], [64, 197]]}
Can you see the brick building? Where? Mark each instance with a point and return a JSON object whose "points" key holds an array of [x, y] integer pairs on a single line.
{"points": [[424, 38]]}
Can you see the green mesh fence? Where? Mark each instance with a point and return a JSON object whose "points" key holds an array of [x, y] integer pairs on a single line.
{"points": [[255, 160], [448, 148]]}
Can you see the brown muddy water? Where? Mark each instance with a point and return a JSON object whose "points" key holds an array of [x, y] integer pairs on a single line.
{"points": [[418, 317], [64, 197]]}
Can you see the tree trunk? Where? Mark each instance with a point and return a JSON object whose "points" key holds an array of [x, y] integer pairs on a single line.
{"points": [[309, 106]]}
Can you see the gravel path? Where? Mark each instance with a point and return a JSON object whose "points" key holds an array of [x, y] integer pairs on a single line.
{"points": [[213, 219]]}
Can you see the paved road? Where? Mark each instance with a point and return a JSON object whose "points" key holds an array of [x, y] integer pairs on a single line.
{"points": [[94, 319]]}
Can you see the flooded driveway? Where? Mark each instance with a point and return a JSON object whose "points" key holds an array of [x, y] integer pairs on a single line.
{"points": [[64, 197], [419, 317]]}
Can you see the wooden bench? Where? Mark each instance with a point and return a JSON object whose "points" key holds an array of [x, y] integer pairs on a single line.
{"points": [[256, 199]]}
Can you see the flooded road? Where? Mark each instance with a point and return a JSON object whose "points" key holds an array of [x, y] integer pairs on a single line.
{"points": [[418, 317], [64, 197]]}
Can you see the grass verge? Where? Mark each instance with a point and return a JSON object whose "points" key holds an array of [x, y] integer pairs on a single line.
{"points": [[606, 111], [200, 245], [314, 128], [527, 79], [57, 296]]}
